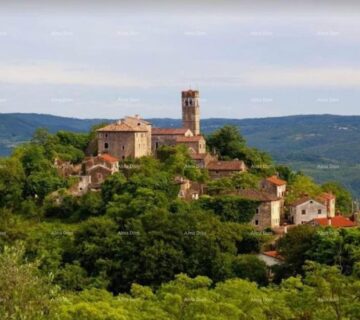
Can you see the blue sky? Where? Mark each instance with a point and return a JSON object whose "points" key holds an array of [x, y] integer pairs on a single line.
{"points": [[247, 60]]}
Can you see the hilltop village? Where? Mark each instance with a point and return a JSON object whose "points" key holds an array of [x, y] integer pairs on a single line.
{"points": [[133, 137]]}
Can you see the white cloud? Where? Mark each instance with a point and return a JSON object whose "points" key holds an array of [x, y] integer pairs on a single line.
{"points": [[51, 74], [64, 75]]}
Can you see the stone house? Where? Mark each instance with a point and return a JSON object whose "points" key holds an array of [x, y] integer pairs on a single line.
{"points": [[274, 185], [99, 168], [128, 137], [306, 209], [220, 169], [268, 213]]}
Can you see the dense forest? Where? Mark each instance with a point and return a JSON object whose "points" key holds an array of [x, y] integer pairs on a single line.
{"points": [[134, 250]]}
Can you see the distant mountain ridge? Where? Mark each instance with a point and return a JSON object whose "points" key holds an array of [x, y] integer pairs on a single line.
{"points": [[324, 146]]}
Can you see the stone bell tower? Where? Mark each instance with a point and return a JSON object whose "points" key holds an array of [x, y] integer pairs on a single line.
{"points": [[191, 111]]}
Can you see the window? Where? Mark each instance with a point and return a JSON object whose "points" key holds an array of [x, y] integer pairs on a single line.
{"points": [[186, 103], [123, 157], [123, 147], [319, 211], [256, 222], [106, 145], [303, 211], [157, 145], [106, 135], [257, 210]]}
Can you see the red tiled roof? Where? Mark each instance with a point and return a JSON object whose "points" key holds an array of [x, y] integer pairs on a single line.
{"points": [[273, 254], [336, 222], [257, 195], [169, 131], [189, 139], [232, 165], [276, 181], [108, 158], [123, 127]]}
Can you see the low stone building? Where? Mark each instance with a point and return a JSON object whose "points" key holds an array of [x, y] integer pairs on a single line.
{"points": [[128, 137], [167, 136], [195, 144], [220, 169], [99, 168], [189, 190], [267, 214], [202, 160]]}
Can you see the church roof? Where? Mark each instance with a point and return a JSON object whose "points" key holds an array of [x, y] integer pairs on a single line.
{"points": [[169, 131]]}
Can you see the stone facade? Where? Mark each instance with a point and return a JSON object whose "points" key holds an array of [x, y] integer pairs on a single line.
{"points": [[267, 214], [127, 138]]}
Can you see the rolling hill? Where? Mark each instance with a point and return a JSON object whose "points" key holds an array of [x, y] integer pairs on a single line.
{"points": [[323, 146]]}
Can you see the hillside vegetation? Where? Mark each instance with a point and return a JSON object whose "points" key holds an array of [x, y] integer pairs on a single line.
{"points": [[325, 147]]}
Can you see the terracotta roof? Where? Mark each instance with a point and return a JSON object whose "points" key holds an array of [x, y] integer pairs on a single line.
{"points": [[108, 158], [169, 131], [232, 165], [189, 139], [123, 127], [273, 254], [257, 195], [276, 181], [336, 222]]}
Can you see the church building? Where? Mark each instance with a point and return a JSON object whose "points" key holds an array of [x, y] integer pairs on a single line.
{"points": [[133, 137]]}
